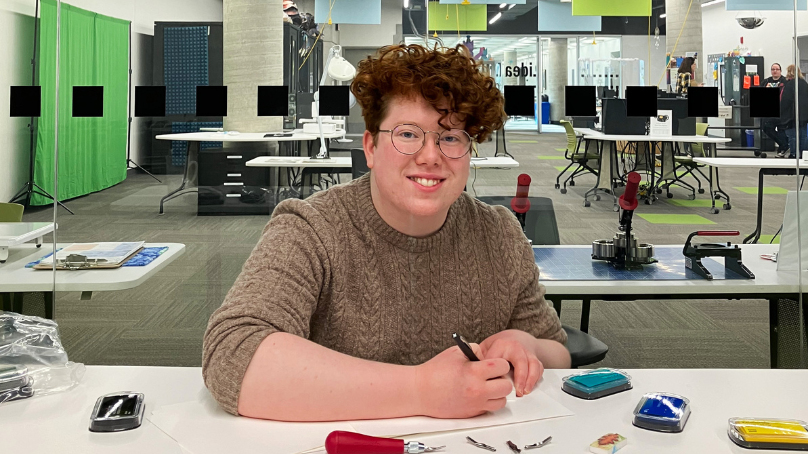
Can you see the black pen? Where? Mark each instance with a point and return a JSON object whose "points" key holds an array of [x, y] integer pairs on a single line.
{"points": [[465, 347]]}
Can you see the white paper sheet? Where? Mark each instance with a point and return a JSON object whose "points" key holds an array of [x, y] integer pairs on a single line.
{"points": [[202, 427]]}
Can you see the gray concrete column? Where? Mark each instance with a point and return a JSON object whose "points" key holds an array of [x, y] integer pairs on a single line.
{"points": [[253, 43], [691, 39], [509, 61], [557, 77]]}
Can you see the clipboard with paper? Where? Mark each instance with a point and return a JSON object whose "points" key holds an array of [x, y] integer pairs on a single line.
{"points": [[101, 255]]}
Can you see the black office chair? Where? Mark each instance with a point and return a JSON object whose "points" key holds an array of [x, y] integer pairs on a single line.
{"points": [[359, 165], [542, 229]]}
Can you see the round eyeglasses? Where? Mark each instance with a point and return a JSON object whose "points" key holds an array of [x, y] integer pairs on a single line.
{"points": [[410, 139]]}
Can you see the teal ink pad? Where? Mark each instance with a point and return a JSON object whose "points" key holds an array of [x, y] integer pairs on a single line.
{"points": [[662, 412], [594, 384]]}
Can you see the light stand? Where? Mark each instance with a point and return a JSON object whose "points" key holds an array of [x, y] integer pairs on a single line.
{"points": [[30, 187], [129, 124], [339, 70]]}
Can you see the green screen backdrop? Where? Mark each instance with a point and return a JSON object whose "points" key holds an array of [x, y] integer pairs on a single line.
{"points": [[92, 151], [611, 8]]}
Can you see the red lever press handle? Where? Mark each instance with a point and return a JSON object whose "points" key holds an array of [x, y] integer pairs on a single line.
{"points": [[341, 442], [718, 233]]}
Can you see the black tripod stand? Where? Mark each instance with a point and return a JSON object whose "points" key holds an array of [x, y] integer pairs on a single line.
{"points": [[30, 187], [129, 129]]}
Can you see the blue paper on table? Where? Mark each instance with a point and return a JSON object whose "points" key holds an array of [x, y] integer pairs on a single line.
{"points": [[142, 258], [576, 264]]}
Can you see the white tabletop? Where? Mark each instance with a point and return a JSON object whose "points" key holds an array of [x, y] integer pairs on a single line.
{"points": [[754, 163], [587, 132], [297, 161], [767, 279], [651, 138], [59, 422], [493, 161], [345, 161], [13, 233], [245, 136], [14, 277]]}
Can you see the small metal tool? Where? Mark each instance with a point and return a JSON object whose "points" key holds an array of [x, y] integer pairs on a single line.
{"points": [[539, 445], [513, 447], [481, 445]]}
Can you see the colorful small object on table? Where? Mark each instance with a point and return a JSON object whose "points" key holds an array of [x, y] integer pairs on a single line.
{"points": [[662, 412], [767, 433], [594, 384], [142, 258], [608, 444]]}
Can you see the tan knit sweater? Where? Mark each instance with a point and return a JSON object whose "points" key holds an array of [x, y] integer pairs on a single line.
{"points": [[329, 269]]}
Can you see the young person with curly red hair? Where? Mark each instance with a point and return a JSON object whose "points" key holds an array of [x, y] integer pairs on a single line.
{"points": [[347, 305]]}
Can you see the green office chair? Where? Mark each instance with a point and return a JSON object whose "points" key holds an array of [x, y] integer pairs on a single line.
{"points": [[9, 212], [542, 229], [576, 157], [686, 161]]}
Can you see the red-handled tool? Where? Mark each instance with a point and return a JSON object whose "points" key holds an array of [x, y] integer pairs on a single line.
{"points": [[717, 233], [341, 442]]}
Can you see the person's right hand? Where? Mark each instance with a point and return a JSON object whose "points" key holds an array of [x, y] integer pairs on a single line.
{"points": [[451, 386]]}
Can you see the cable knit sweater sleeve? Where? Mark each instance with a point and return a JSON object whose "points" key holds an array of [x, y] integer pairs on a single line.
{"points": [[277, 290], [531, 314]]}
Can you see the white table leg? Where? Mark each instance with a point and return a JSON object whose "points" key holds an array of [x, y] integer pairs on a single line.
{"points": [[3, 254]]}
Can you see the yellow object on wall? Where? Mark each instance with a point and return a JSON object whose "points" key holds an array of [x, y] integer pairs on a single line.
{"points": [[466, 17]]}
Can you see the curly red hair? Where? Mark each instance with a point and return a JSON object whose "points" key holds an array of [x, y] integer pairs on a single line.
{"points": [[447, 78]]}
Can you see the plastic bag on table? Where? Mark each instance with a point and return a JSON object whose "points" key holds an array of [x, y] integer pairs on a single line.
{"points": [[32, 359]]}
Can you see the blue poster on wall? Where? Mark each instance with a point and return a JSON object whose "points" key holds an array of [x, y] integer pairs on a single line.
{"points": [[766, 5], [557, 17], [367, 12]]}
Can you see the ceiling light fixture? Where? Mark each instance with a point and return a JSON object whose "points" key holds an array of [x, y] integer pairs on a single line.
{"points": [[502, 5], [712, 2], [495, 18], [662, 16], [406, 3], [512, 5]]}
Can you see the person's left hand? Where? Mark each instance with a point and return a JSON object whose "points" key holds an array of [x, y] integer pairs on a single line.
{"points": [[515, 347]]}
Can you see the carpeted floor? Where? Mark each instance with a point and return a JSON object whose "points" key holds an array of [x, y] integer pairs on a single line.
{"points": [[162, 321]]}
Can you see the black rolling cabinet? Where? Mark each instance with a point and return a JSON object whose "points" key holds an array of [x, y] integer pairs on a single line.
{"points": [[228, 187]]}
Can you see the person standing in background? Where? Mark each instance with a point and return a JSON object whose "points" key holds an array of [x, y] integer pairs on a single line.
{"points": [[788, 113], [769, 126], [685, 75]]}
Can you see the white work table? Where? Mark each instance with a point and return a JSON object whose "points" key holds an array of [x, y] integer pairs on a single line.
{"points": [[767, 279], [59, 422], [297, 134], [298, 161], [14, 277], [14, 233], [752, 163], [195, 138], [784, 167], [607, 158], [345, 161], [769, 284]]}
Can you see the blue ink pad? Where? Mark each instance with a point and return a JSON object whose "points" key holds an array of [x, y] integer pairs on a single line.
{"points": [[662, 412], [594, 384]]}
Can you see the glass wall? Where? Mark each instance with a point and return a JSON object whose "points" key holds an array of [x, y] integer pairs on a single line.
{"points": [[193, 210], [27, 157]]}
